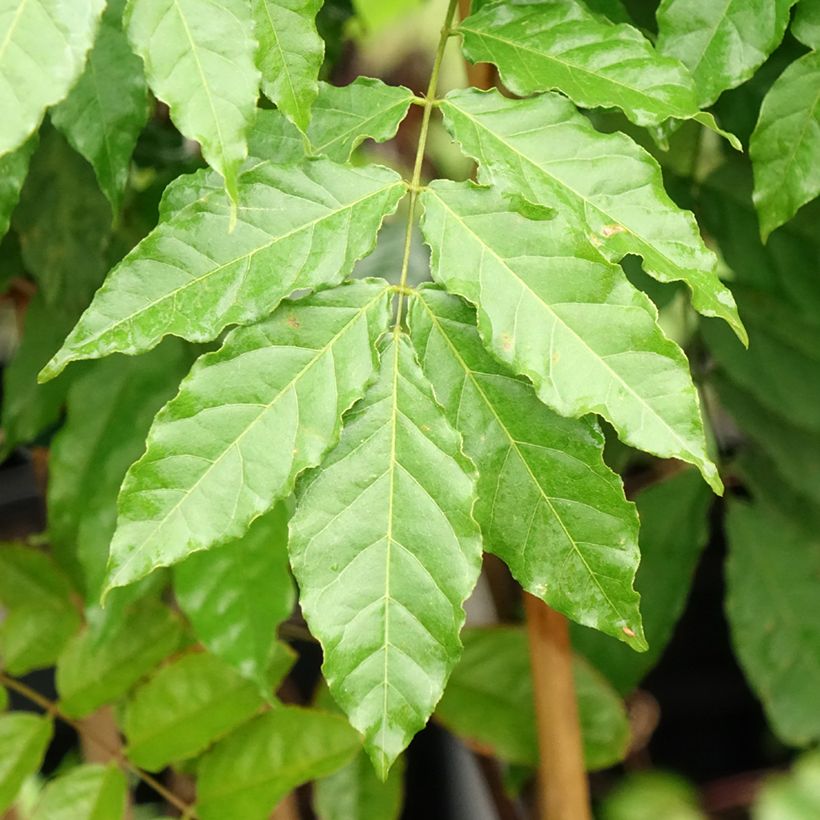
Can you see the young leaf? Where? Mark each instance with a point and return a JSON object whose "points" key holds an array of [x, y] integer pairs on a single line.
{"points": [[108, 107], [244, 776], [184, 708], [24, 738], [558, 44], [248, 419], [92, 451], [674, 530], [489, 700], [785, 144], [114, 651], [806, 23], [13, 170], [722, 44], [546, 150], [552, 309], [90, 792], [547, 504], [771, 605], [385, 551], [199, 59], [190, 277], [290, 54], [43, 47], [236, 596]]}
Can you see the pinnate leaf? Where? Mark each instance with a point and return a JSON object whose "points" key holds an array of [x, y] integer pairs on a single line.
{"points": [[184, 708], [191, 277], [290, 54], [547, 503], [236, 596], [24, 738], [43, 46], [247, 420], [107, 107], [554, 310], [785, 144], [90, 792], [540, 45], [385, 551], [199, 59], [722, 44], [245, 775], [544, 149]]}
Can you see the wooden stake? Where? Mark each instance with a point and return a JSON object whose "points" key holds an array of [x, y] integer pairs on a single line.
{"points": [[563, 791]]}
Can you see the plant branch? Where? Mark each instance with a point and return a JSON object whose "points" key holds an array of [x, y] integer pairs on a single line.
{"points": [[51, 708]]}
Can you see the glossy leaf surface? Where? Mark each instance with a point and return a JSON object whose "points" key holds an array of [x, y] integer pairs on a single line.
{"points": [[107, 107], [785, 144], [547, 504], [247, 420], [199, 59], [540, 45], [191, 277], [90, 792], [43, 46], [290, 54], [555, 311], [248, 773], [385, 550], [236, 596], [24, 738], [542, 149]]}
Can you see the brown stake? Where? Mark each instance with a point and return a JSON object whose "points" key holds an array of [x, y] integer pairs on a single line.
{"points": [[563, 791]]}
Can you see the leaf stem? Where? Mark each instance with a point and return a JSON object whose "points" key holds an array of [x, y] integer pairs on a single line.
{"points": [[51, 708], [414, 185]]}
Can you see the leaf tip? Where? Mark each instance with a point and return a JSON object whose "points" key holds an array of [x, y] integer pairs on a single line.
{"points": [[53, 368]]}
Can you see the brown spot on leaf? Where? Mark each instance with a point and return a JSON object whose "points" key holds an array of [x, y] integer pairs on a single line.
{"points": [[611, 230]]}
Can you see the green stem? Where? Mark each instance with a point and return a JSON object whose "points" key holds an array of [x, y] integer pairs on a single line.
{"points": [[415, 182]]}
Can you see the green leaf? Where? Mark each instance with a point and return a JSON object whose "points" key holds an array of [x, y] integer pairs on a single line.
{"points": [[558, 44], [385, 550], [199, 59], [674, 530], [184, 708], [771, 600], [13, 171], [24, 739], [4, 699], [378, 14], [244, 776], [290, 54], [91, 453], [722, 44], [566, 319], [546, 500], [354, 792], [28, 576], [650, 795], [785, 144], [247, 420], [112, 653], [237, 595], [489, 700], [108, 107], [546, 149], [794, 796], [90, 792], [191, 277], [806, 23], [43, 47]]}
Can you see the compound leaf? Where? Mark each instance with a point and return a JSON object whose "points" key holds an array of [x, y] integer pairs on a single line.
{"points": [[43, 46], [290, 54], [547, 503], [107, 107], [540, 45], [247, 420], [199, 59], [552, 309], [90, 791], [543, 149], [24, 738], [785, 144], [385, 551], [245, 775], [190, 277]]}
